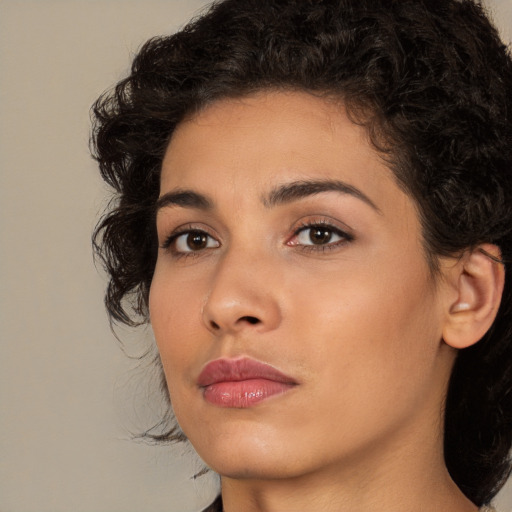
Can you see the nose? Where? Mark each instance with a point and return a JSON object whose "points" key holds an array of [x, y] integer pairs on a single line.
{"points": [[243, 295]]}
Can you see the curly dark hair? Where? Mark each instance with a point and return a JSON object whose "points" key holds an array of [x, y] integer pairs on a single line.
{"points": [[432, 83]]}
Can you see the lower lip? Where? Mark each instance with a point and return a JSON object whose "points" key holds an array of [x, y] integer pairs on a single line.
{"points": [[243, 394]]}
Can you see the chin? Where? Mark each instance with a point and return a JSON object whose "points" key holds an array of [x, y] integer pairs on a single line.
{"points": [[242, 467], [245, 453]]}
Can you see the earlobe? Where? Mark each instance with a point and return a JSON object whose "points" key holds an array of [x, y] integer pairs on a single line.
{"points": [[479, 282]]}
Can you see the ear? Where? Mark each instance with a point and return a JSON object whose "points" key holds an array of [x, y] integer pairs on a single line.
{"points": [[478, 280]]}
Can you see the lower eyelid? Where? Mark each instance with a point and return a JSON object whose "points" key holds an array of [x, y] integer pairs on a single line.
{"points": [[323, 248]]}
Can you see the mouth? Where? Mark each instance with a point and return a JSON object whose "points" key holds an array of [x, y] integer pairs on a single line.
{"points": [[241, 383]]}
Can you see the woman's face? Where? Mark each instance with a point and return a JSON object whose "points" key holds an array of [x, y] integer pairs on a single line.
{"points": [[285, 241]]}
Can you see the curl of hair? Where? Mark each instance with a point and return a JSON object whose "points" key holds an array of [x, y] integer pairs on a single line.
{"points": [[432, 83]]}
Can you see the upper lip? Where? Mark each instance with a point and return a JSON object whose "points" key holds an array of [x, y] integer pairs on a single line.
{"points": [[232, 370]]}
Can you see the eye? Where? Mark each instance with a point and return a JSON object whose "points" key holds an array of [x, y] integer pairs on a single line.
{"points": [[317, 235], [321, 235], [190, 241]]}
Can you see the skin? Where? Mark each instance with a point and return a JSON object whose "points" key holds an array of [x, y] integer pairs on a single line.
{"points": [[356, 321]]}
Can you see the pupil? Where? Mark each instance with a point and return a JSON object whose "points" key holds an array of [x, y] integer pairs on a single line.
{"points": [[320, 235], [197, 241]]}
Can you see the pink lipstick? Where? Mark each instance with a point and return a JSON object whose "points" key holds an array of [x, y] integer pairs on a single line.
{"points": [[241, 383]]}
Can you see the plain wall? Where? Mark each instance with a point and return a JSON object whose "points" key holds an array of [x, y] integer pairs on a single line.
{"points": [[65, 386]]}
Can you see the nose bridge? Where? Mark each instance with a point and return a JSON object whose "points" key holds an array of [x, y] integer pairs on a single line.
{"points": [[242, 293]]}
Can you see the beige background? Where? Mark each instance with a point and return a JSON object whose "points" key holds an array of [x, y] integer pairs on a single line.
{"points": [[66, 389]]}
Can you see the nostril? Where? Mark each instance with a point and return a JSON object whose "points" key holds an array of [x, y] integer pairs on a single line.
{"points": [[214, 326], [251, 319]]}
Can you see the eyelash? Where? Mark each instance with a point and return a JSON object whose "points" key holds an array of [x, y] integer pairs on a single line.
{"points": [[170, 242], [327, 226]]}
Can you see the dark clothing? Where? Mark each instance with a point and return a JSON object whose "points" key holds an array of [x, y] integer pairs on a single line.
{"points": [[216, 506]]}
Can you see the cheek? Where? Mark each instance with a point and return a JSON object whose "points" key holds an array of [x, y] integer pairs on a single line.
{"points": [[175, 312], [369, 330]]}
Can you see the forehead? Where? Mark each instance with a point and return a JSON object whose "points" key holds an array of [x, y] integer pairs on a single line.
{"points": [[246, 146]]}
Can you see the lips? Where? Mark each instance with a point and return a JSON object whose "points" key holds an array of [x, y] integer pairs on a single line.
{"points": [[241, 383]]}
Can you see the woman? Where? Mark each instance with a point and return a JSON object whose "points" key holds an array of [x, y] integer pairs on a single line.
{"points": [[313, 212]]}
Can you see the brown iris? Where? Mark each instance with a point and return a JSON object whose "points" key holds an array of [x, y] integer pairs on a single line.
{"points": [[197, 241], [320, 235]]}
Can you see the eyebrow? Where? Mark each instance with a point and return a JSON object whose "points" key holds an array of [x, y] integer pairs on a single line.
{"points": [[185, 199], [289, 192], [280, 195]]}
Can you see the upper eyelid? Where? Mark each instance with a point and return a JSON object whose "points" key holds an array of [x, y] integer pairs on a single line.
{"points": [[328, 224], [187, 226], [324, 225], [322, 220]]}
